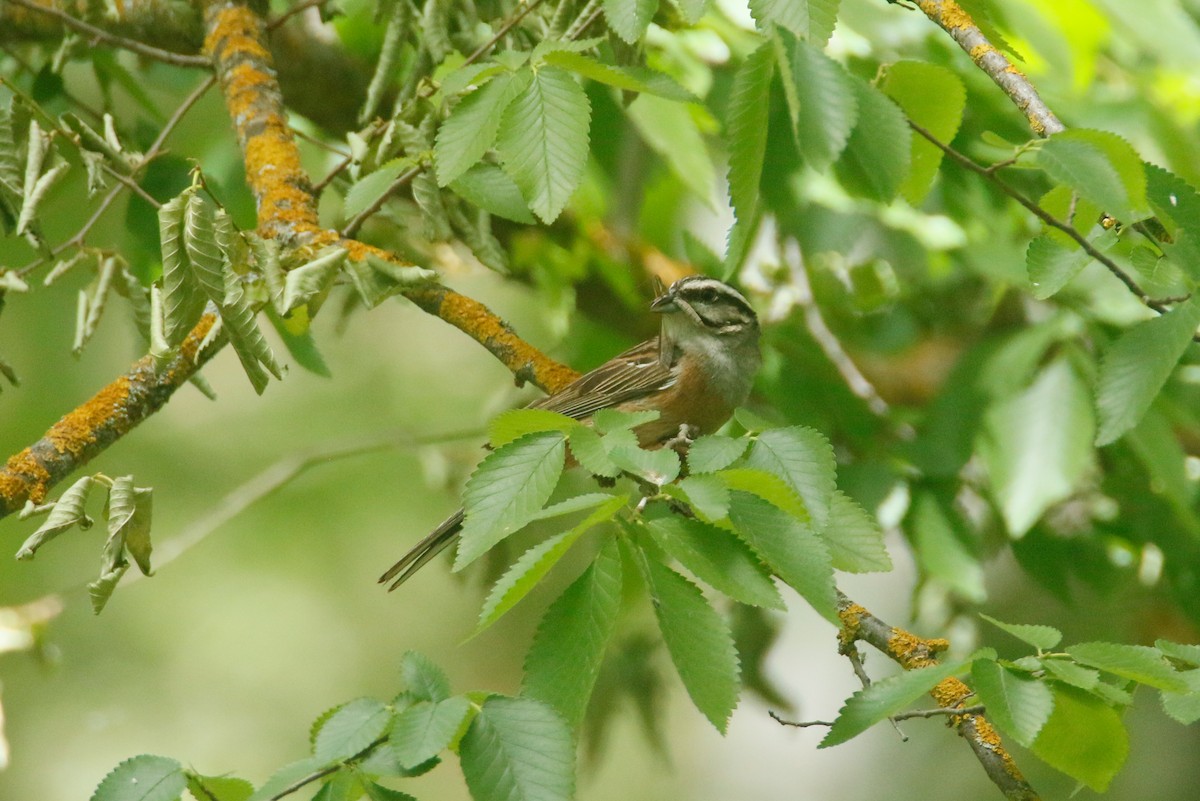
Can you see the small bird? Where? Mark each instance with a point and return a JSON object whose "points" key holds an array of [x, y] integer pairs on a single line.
{"points": [[694, 373]]}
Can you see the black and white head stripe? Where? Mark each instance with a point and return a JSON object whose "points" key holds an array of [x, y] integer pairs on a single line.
{"points": [[714, 303]]}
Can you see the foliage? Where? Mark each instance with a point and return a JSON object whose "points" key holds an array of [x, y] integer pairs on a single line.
{"points": [[976, 337]]}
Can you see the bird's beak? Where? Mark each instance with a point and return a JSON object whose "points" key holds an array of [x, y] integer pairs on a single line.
{"points": [[664, 304]]}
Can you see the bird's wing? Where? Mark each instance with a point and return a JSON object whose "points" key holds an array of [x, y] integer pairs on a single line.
{"points": [[635, 373]]}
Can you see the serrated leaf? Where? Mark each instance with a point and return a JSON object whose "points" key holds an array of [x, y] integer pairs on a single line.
{"points": [[1037, 445], [933, 97], [67, 512], [607, 421], [629, 18], [508, 488], [854, 538], [285, 777], [143, 778], [669, 129], [182, 299], [1184, 706], [884, 698], [713, 452], [564, 660], [1070, 673], [1184, 652], [518, 749], [1102, 167], [942, 547], [377, 792], [589, 500], [312, 279], [718, 558], [1136, 366], [423, 679], [535, 563], [1052, 265], [341, 785], [543, 140], [490, 188], [248, 343], [101, 590], [130, 510], [746, 130], [588, 449], [1016, 702], [659, 467], [1139, 663], [93, 302], [349, 730], [471, 128], [812, 20], [218, 788], [200, 243], [699, 642], [420, 732], [707, 495], [878, 156], [769, 487], [826, 105], [1042, 638], [631, 79], [804, 459], [516, 423], [1084, 738], [1177, 205], [789, 547], [368, 189]]}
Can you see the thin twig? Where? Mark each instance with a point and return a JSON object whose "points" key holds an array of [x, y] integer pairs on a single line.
{"points": [[133, 185], [915, 713], [504, 29], [1049, 219], [291, 12], [350, 229], [166, 56]]}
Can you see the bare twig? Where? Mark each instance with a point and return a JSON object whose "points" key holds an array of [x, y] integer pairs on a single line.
{"points": [[350, 229], [78, 25], [291, 12], [915, 713], [508, 25]]}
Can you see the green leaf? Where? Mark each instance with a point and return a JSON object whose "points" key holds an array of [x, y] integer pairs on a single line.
{"points": [[1177, 205], [423, 679], [368, 189], [609, 420], [670, 130], [577, 503], [516, 423], [490, 188], [1070, 673], [568, 649], [241, 325], [535, 563], [942, 549], [826, 105], [809, 19], [1037, 445], [1184, 707], [934, 98], [768, 486], [1184, 652], [341, 785], [543, 140], [507, 489], [804, 459], [878, 156], [746, 130], [518, 749], [473, 125], [129, 513], [692, 10], [421, 731], [630, 79], [218, 788], [589, 450], [790, 549], [854, 538], [200, 241], [1101, 167], [68, 511], [885, 698], [143, 778], [312, 279], [285, 777], [377, 792], [718, 558], [1136, 366], [1052, 265], [707, 495], [1042, 638], [1139, 663], [714, 452], [1084, 738], [629, 18], [699, 642], [1016, 702], [183, 300], [659, 467], [349, 730]]}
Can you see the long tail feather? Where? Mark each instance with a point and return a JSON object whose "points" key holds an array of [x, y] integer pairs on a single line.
{"points": [[442, 537]]}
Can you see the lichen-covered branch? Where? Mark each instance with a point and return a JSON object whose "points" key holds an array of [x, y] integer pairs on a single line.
{"points": [[954, 20], [110, 414], [913, 652]]}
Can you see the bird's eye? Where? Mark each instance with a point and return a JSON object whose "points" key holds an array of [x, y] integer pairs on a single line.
{"points": [[709, 295]]}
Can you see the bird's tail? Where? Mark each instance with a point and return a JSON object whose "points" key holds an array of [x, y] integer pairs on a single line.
{"points": [[441, 537]]}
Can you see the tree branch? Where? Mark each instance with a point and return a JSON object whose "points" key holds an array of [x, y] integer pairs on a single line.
{"points": [[913, 652]]}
